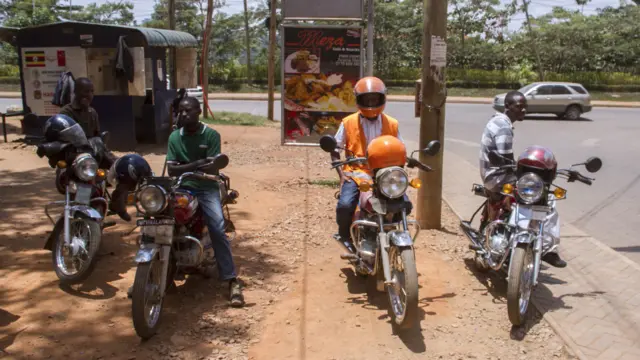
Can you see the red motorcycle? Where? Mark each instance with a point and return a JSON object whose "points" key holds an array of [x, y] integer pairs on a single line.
{"points": [[174, 238], [526, 227]]}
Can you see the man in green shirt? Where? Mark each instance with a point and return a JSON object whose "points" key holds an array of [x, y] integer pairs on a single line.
{"points": [[189, 147]]}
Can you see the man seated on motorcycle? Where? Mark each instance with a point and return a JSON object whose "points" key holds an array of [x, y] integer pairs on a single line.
{"points": [[188, 150], [497, 138], [355, 133], [83, 113]]}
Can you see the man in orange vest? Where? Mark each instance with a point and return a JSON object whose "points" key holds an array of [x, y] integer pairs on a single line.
{"points": [[355, 133]]}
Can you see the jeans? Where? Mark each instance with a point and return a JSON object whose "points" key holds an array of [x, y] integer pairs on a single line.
{"points": [[209, 201], [347, 203]]}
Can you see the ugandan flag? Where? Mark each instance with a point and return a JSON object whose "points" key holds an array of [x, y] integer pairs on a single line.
{"points": [[34, 58]]}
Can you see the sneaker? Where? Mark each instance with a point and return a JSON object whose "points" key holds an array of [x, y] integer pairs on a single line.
{"points": [[236, 299], [554, 259]]}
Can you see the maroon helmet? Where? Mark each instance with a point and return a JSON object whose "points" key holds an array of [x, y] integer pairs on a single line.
{"points": [[540, 160]]}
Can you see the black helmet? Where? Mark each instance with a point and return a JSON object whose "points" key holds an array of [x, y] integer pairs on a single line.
{"points": [[55, 125], [130, 169]]}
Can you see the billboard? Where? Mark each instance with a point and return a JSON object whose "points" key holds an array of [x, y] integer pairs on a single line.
{"points": [[326, 9], [320, 66]]}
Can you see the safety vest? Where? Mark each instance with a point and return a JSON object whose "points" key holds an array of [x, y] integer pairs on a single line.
{"points": [[357, 144]]}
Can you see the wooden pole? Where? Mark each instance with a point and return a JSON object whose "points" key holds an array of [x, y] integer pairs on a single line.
{"points": [[205, 59], [432, 114], [272, 59], [248, 41], [172, 51]]}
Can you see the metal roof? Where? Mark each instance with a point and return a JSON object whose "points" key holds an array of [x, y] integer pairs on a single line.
{"points": [[154, 37]]}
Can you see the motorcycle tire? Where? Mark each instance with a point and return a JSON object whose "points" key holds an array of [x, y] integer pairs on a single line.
{"points": [[58, 243], [522, 257], [407, 256], [143, 328]]}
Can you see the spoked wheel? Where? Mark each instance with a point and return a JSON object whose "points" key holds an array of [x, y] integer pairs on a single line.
{"points": [[75, 261], [403, 292], [520, 284], [146, 304]]}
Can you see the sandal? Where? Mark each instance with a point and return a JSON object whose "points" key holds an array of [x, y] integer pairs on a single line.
{"points": [[236, 299]]}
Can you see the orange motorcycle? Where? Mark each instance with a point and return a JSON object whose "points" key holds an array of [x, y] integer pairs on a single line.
{"points": [[382, 244]]}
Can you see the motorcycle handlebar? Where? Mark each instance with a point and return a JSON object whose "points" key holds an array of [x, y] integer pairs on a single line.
{"points": [[335, 164], [573, 175], [411, 162], [196, 175]]}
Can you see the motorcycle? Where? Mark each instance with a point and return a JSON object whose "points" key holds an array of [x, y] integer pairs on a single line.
{"points": [[77, 233], [382, 244], [524, 230], [173, 238]]}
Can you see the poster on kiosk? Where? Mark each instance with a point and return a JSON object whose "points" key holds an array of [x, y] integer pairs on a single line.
{"points": [[320, 66]]}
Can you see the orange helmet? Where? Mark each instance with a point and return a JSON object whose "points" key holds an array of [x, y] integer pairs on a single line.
{"points": [[371, 96], [385, 151]]}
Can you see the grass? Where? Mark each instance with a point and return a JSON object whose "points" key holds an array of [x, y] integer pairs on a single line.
{"points": [[256, 89], [333, 183], [235, 118], [461, 92]]}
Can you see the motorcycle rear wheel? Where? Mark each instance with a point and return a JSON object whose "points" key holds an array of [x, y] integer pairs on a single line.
{"points": [[403, 309], [520, 284], [78, 229]]}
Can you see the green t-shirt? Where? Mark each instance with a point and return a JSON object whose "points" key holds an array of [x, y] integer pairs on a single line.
{"points": [[184, 148]]}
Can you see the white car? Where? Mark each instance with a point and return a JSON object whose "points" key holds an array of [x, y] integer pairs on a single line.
{"points": [[195, 92], [191, 92]]}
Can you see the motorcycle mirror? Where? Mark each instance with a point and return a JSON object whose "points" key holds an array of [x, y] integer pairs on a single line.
{"points": [[433, 147], [104, 136], [217, 162], [593, 164], [328, 143]]}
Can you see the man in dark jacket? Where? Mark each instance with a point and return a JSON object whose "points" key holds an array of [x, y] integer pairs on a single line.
{"points": [[81, 111]]}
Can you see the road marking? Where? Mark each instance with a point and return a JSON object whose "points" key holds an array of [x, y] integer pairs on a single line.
{"points": [[463, 142]]}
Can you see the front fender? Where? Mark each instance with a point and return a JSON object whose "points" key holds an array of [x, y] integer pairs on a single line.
{"points": [[523, 237], [85, 212], [400, 238], [146, 253]]}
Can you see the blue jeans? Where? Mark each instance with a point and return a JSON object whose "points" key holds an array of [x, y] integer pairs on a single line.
{"points": [[209, 201], [347, 203]]}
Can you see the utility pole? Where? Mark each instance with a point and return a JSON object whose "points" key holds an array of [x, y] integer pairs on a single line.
{"points": [[429, 205], [205, 59], [535, 40], [248, 40], [272, 58], [172, 51], [370, 38]]}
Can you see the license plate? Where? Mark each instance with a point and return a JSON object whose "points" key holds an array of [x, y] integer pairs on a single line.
{"points": [[161, 234], [155, 222], [531, 214], [83, 193]]}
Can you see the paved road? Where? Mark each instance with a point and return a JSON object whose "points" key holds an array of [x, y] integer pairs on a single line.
{"points": [[609, 210]]}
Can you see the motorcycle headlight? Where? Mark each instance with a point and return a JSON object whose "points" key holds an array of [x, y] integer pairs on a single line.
{"points": [[530, 188], [393, 182], [153, 199], [85, 167]]}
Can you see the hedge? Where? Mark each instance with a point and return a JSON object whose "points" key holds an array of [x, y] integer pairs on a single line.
{"points": [[456, 78]]}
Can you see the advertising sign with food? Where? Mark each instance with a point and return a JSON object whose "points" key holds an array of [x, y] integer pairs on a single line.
{"points": [[321, 64]]}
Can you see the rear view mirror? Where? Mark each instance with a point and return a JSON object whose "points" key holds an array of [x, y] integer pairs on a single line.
{"points": [[433, 147], [217, 163], [105, 136], [328, 143], [593, 164]]}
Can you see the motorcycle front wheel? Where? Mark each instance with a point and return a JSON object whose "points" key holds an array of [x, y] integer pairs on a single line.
{"points": [[403, 293], [74, 262], [520, 284], [147, 301]]}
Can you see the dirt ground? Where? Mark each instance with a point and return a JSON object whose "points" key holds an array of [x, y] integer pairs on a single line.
{"points": [[303, 302]]}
